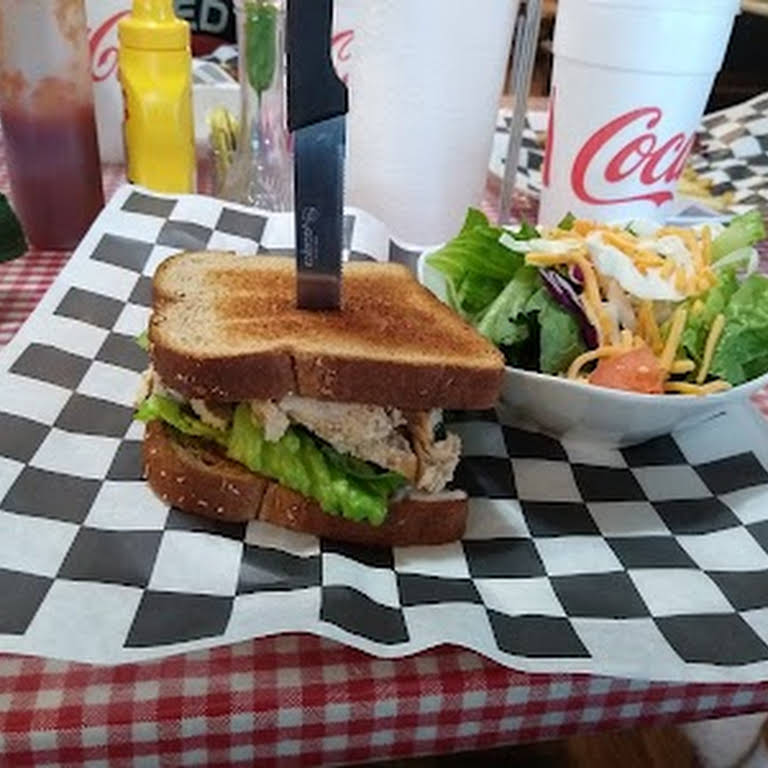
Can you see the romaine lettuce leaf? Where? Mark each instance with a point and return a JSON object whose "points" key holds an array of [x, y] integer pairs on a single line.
{"points": [[476, 292], [742, 352], [475, 264], [159, 407], [476, 249], [503, 322], [525, 320], [698, 324], [316, 470], [526, 231], [742, 231], [560, 338]]}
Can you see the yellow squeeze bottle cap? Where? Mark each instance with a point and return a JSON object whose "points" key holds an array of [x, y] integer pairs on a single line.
{"points": [[153, 25]]}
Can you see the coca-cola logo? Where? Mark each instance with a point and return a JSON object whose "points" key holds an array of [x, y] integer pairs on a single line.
{"points": [[341, 49], [104, 51], [628, 148], [103, 48]]}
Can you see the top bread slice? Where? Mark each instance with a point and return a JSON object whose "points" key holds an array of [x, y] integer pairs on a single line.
{"points": [[226, 327]]}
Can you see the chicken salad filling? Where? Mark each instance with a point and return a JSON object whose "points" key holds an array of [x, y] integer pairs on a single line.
{"points": [[380, 447]]}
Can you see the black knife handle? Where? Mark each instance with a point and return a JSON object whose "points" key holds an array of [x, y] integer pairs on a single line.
{"points": [[315, 91]]}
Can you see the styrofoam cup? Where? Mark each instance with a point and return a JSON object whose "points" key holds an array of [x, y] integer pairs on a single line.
{"points": [[630, 82], [423, 102], [103, 16]]}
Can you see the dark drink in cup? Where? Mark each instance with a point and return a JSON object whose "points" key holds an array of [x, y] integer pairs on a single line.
{"points": [[47, 115]]}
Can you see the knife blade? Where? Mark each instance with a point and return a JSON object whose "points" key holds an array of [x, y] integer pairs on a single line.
{"points": [[317, 105]]}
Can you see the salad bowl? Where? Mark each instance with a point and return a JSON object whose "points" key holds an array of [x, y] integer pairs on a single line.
{"points": [[580, 411]]}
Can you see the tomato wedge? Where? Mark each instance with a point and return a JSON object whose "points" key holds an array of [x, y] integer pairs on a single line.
{"points": [[635, 371]]}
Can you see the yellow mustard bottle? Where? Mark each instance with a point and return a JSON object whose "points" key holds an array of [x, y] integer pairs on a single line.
{"points": [[155, 66]]}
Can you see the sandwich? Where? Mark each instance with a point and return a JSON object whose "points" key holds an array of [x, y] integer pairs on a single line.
{"points": [[324, 422]]}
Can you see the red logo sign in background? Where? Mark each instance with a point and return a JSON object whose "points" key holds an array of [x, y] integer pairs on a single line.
{"points": [[627, 147], [103, 51]]}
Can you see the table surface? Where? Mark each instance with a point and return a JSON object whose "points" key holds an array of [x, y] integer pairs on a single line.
{"points": [[549, 7], [298, 699], [759, 7]]}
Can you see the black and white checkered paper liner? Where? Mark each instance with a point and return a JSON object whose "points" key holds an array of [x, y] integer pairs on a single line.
{"points": [[531, 158], [219, 66], [648, 562], [732, 151]]}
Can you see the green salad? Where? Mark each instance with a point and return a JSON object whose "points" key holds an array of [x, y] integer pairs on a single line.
{"points": [[633, 306]]}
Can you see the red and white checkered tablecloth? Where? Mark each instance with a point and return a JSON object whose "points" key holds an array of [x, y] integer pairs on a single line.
{"points": [[298, 699]]}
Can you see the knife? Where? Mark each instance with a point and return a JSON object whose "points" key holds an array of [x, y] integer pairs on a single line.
{"points": [[317, 105]]}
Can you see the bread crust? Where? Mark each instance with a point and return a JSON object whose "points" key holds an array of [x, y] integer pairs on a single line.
{"points": [[274, 375], [397, 384], [226, 328], [194, 477], [249, 377]]}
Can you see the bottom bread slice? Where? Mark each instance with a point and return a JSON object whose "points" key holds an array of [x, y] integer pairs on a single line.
{"points": [[188, 474]]}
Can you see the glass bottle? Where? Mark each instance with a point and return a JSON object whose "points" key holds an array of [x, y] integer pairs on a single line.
{"points": [[46, 110], [261, 173]]}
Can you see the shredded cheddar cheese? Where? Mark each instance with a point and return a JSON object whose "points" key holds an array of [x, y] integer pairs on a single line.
{"points": [[686, 235], [648, 259], [593, 304], [684, 365], [706, 244], [686, 388], [689, 279], [709, 348], [560, 234], [692, 244], [673, 339], [621, 240], [641, 327], [642, 258], [583, 226], [588, 357], [541, 259], [592, 296], [702, 283], [650, 330], [667, 270]]}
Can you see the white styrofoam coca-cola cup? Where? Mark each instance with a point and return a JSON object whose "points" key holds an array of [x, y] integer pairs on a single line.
{"points": [[630, 82], [103, 16], [346, 19]]}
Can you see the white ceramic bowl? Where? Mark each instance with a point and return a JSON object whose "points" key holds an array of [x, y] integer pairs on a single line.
{"points": [[583, 412]]}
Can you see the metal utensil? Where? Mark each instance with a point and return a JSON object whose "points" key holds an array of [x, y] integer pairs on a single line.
{"points": [[317, 106], [526, 37]]}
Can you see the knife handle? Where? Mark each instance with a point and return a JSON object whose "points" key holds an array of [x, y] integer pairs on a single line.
{"points": [[315, 91]]}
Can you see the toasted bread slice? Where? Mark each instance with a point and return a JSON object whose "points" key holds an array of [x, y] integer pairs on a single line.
{"points": [[186, 473], [226, 327]]}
